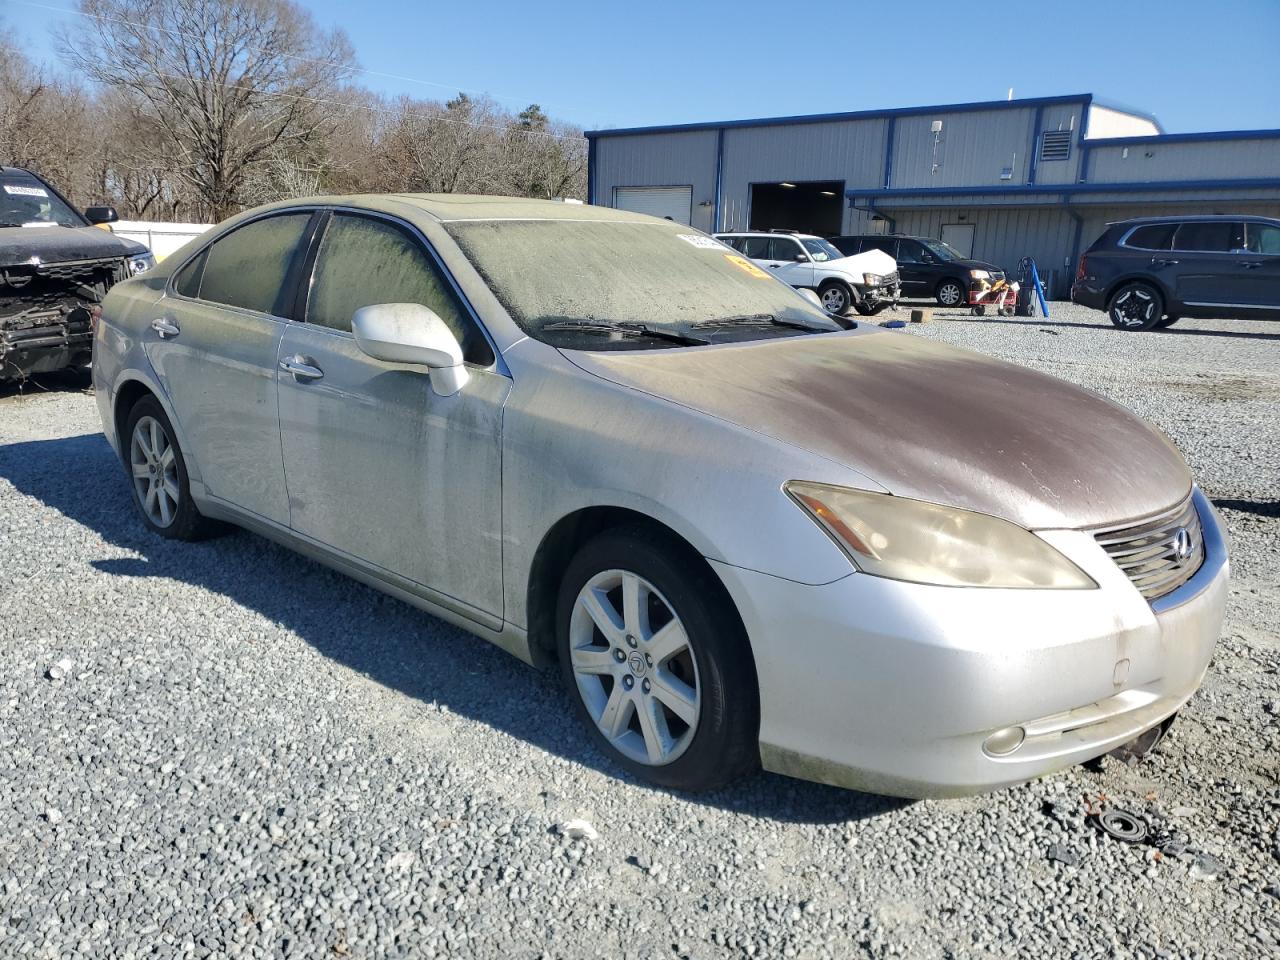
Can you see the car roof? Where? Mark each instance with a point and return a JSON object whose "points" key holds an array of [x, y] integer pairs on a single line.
{"points": [[767, 233], [1195, 217], [453, 207]]}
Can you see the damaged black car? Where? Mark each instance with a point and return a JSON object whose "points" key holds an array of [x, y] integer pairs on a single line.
{"points": [[55, 268]]}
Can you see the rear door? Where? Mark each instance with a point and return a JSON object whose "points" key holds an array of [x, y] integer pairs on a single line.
{"points": [[1207, 272], [788, 260], [379, 467], [918, 269], [214, 345]]}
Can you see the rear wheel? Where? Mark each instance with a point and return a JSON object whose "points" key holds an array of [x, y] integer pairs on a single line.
{"points": [[656, 661], [836, 297], [1136, 306], [158, 475], [950, 293]]}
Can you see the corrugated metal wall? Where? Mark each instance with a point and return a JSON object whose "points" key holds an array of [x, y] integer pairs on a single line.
{"points": [[971, 148], [659, 160], [1066, 116], [851, 151], [1209, 160]]}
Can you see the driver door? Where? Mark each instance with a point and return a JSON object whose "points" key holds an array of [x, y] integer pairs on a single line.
{"points": [[787, 258], [378, 466]]}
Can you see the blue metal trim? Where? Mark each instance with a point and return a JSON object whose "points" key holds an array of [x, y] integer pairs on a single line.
{"points": [[1084, 98], [715, 214], [591, 171], [1153, 186], [888, 152], [1035, 144], [1213, 136], [1082, 142]]}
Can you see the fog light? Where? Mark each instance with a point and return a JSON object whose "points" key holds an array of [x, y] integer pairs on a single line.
{"points": [[1004, 742]]}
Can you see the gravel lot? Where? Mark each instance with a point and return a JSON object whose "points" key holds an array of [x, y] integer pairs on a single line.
{"points": [[252, 756]]}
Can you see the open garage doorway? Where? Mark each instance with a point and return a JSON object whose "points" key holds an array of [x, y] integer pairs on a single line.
{"points": [[812, 206]]}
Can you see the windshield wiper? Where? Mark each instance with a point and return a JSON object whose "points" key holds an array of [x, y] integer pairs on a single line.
{"points": [[627, 328], [757, 320]]}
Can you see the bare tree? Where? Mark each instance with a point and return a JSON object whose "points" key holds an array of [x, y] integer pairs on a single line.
{"points": [[225, 84]]}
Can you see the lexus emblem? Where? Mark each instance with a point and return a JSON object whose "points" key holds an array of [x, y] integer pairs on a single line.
{"points": [[1182, 546]]}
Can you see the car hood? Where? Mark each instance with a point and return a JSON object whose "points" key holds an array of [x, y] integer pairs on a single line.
{"points": [[59, 244], [926, 421], [976, 265], [869, 261]]}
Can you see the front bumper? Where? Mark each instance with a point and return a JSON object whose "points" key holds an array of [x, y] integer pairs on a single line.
{"points": [[44, 342], [894, 687], [887, 293]]}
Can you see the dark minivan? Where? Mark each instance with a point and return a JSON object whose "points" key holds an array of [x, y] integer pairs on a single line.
{"points": [[1150, 272], [927, 268]]}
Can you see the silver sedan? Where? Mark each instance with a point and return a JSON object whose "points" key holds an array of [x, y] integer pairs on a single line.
{"points": [[749, 534]]}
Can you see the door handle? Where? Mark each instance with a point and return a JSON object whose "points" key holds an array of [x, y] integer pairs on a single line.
{"points": [[1164, 263], [302, 368], [165, 327], [1251, 264], [775, 266]]}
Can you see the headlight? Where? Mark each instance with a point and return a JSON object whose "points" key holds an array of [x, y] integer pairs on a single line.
{"points": [[979, 274], [141, 264], [873, 279], [926, 543]]}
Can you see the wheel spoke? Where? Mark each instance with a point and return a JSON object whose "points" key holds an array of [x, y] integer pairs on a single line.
{"points": [[144, 445], [141, 471], [157, 438], [171, 489], [603, 614], [616, 714], [667, 642], [166, 458], [166, 512], [153, 492], [635, 609], [596, 660], [657, 738], [676, 695]]}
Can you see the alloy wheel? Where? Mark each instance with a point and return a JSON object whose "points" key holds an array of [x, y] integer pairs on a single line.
{"points": [[154, 466], [634, 667], [1133, 307], [949, 294], [834, 300]]}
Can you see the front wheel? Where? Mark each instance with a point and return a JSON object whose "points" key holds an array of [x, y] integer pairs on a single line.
{"points": [[950, 293], [656, 661], [835, 297], [1166, 322], [1136, 306]]}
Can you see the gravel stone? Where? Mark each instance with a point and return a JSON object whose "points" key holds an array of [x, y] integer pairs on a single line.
{"points": [[257, 746]]}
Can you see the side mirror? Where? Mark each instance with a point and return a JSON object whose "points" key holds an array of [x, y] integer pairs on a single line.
{"points": [[412, 333], [100, 215]]}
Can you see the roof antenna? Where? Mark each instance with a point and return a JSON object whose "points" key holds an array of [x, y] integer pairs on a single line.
{"points": [[1011, 93]]}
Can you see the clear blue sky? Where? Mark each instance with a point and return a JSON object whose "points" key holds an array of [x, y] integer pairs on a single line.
{"points": [[1202, 65]]}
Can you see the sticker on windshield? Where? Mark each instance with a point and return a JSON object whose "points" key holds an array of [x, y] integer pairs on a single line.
{"points": [[746, 266], [706, 243], [25, 191]]}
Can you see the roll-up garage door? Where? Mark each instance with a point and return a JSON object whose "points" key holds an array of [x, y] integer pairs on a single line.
{"points": [[672, 202]]}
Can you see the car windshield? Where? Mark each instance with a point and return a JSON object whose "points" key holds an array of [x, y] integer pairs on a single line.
{"points": [[820, 250], [572, 282], [943, 251], [26, 202]]}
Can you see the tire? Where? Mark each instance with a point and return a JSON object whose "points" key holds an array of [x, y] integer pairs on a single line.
{"points": [[156, 466], [836, 298], [980, 310], [951, 293], [683, 661], [1166, 322], [868, 310], [1136, 306]]}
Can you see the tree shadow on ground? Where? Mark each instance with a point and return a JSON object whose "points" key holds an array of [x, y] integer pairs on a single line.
{"points": [[395, 645]]}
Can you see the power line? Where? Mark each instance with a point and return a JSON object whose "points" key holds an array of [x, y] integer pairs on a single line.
{"points": [[195, 36]]}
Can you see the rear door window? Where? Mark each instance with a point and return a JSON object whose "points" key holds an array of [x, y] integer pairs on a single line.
{"points": [[1209, 236], [888, 244], [735, 242], [786, 248], [909, 252], [1154, 236], [247, 267], [757, 248]]}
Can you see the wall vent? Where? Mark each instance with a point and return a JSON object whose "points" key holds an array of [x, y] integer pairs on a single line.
{"points": [[1055, 145]]}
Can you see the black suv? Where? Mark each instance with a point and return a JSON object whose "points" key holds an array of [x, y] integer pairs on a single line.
{"points": [[927, 268], [55, 268], [1150, 272]]}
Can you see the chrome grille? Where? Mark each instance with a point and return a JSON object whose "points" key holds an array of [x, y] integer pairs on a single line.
{"points": [[1148, 551]]}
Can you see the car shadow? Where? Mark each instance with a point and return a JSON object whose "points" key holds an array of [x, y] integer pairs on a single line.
{"points": [[1261, 508], [395, 644], [1047, 322]]}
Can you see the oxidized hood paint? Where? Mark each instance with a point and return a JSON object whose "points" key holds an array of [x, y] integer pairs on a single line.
{"points": [[926, 421], [18, 245]]}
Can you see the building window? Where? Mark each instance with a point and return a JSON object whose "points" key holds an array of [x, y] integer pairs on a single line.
{"points": [[1055, 145]]}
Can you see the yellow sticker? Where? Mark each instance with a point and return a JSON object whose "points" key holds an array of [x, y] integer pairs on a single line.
{"points": [[746, 266]]}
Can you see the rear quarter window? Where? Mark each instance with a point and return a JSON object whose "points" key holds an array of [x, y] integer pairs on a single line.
{"points": [[1155, 236]]}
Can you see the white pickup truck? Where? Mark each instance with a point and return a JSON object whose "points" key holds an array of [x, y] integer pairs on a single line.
{"points": [[866, 282]]}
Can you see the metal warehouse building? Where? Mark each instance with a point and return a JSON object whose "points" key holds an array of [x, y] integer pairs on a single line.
{"points": [[997, 180]]}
